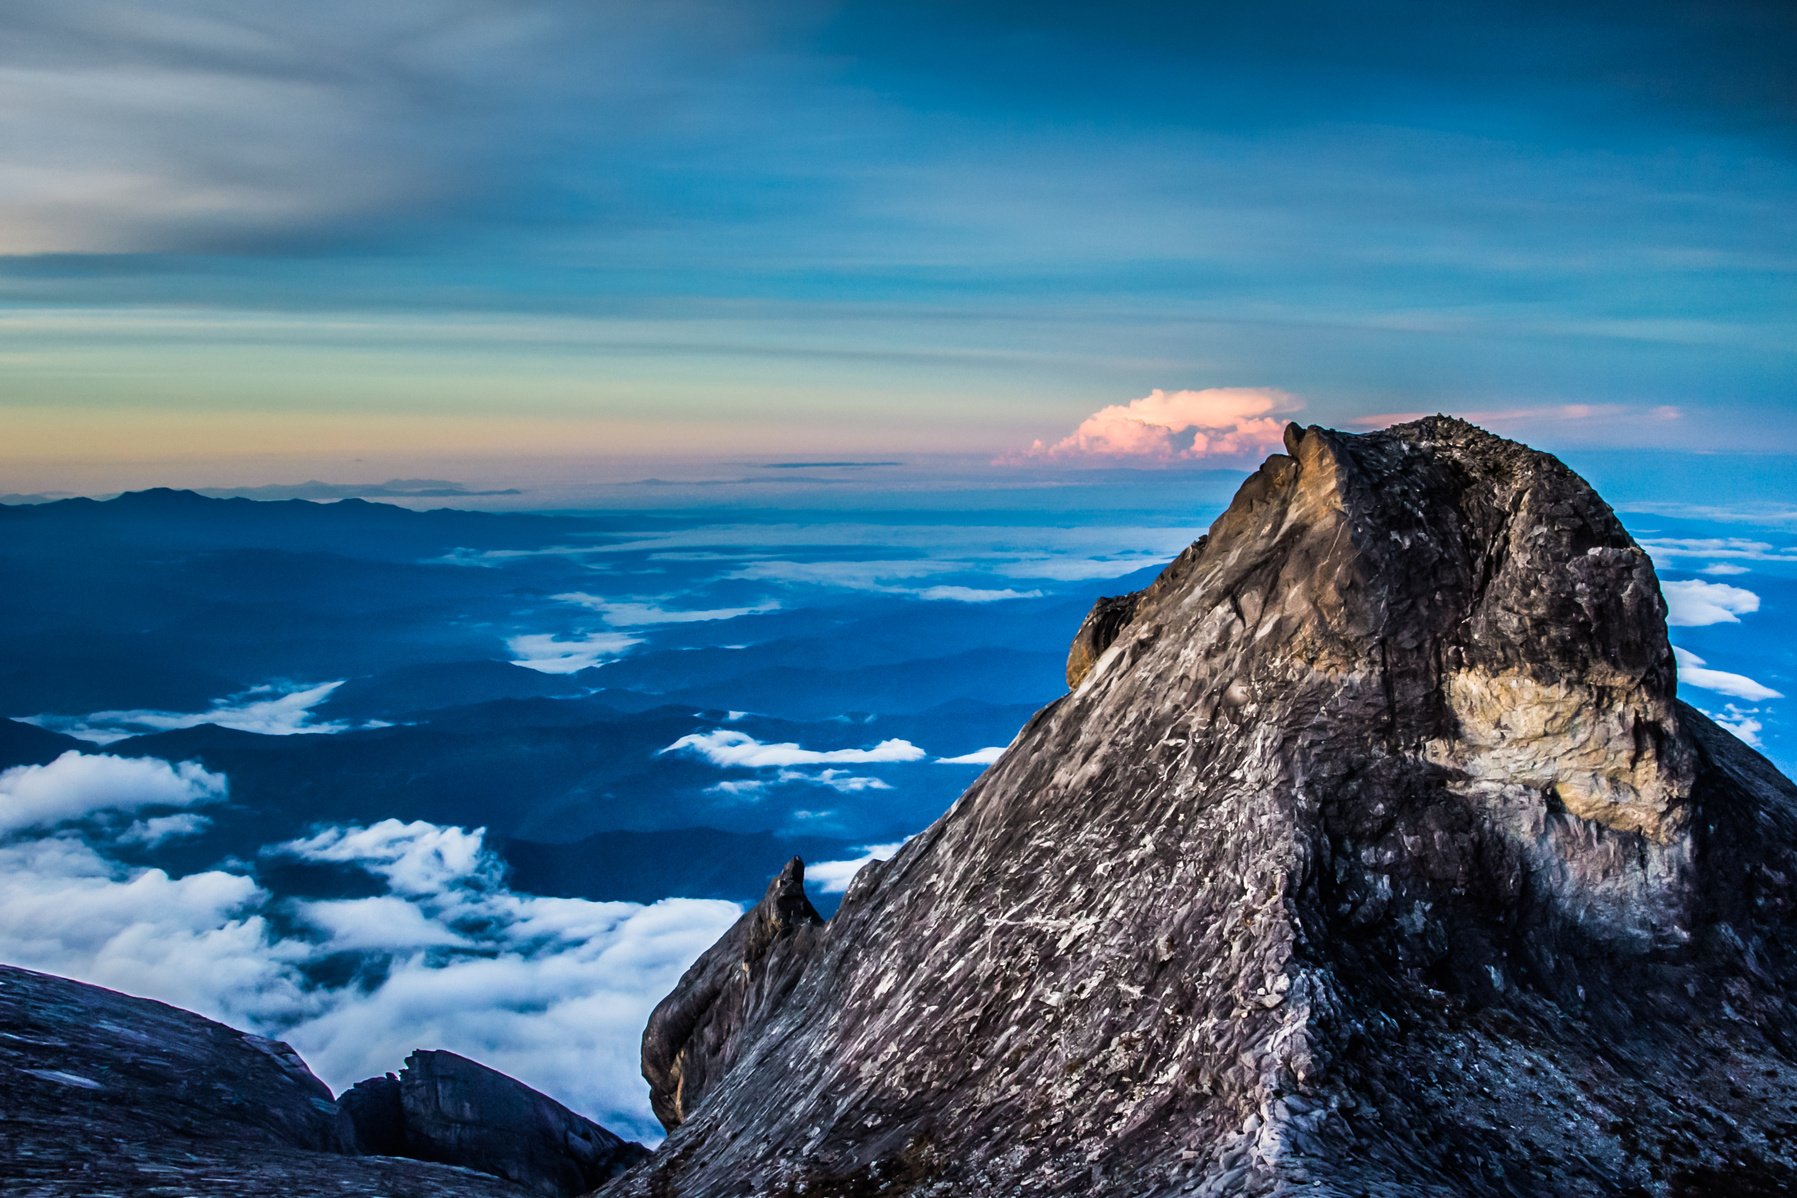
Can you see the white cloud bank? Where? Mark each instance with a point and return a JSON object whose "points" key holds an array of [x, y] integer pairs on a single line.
{"points": [[1693, 672], [1170, 426], [1695, 604], [726, 747], [553, 991], [269, 710], [77, 785], [198, 941]]}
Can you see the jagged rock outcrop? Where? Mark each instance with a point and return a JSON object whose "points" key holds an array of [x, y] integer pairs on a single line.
{"points": [[105, 1095], [1371, 854], [1096, 634], [693, 1034], [445, 1108]]}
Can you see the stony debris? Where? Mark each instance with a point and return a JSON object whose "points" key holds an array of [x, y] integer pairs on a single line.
{"points": [[1370, 854]]}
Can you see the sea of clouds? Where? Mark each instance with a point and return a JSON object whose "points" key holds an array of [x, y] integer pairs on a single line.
{"points": [[554, 991]]}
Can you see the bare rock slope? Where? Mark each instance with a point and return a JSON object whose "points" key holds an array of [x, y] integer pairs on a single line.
{"points": [[1370, 854]]}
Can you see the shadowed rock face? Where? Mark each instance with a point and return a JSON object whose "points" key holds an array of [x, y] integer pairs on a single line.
{"points": [[1371, 853], [693, 1034], [102, 1094], [446, 1108]]}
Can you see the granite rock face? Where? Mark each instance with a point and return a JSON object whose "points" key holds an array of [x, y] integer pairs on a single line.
{"points": [[445, 1108], [102, 1094], [693, 1034], [1370, 854]]}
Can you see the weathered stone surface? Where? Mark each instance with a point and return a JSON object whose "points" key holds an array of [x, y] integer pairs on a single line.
{"points": [[102, 1094], [1372, 855], [1096, 634], [693, 1034], [377, 1114], [446, 1108]]}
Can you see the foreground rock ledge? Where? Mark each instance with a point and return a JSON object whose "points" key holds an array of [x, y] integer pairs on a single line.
{"points": [[1371, 853], [106, 1096]]}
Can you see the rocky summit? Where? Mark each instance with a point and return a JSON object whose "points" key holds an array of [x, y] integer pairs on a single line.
{"points": [[1371, 853]]}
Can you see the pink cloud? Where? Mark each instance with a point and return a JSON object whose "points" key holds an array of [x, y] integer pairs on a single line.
{"points": [[1171, 426]]}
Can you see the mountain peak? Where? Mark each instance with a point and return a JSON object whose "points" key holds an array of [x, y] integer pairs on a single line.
{"points": [[1370, 851]]}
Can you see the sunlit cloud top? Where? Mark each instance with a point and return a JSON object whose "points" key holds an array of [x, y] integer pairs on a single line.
{"points": [[1168, 426]]}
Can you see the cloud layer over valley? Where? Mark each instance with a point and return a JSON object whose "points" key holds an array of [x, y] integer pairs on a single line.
{"points": [[530, 764], [553, 990]]}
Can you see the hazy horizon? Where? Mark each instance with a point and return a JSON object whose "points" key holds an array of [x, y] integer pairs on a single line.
{"points": [[260, 241]]}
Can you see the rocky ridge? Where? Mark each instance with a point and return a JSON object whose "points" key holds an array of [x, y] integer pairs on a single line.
{"points": [[1371, 853], [445, 1108], [105, 1095]]}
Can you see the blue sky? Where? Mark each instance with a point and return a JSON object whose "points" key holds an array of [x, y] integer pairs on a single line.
{"points": [[243, 240]]}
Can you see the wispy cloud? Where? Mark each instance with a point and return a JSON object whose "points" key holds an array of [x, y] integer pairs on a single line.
{"points": [[641, 614], [978, 757], [186, 127], [727, 747], [1171, 426], [268, 710], [1729, 548], [840, 781], [383, 922], [1084, 569], [550, 653], [866, 575], [1693, 672], [885, 577], [959, 594], [1742, 721], [1694, 603], [160, 829], [416, 858]]}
